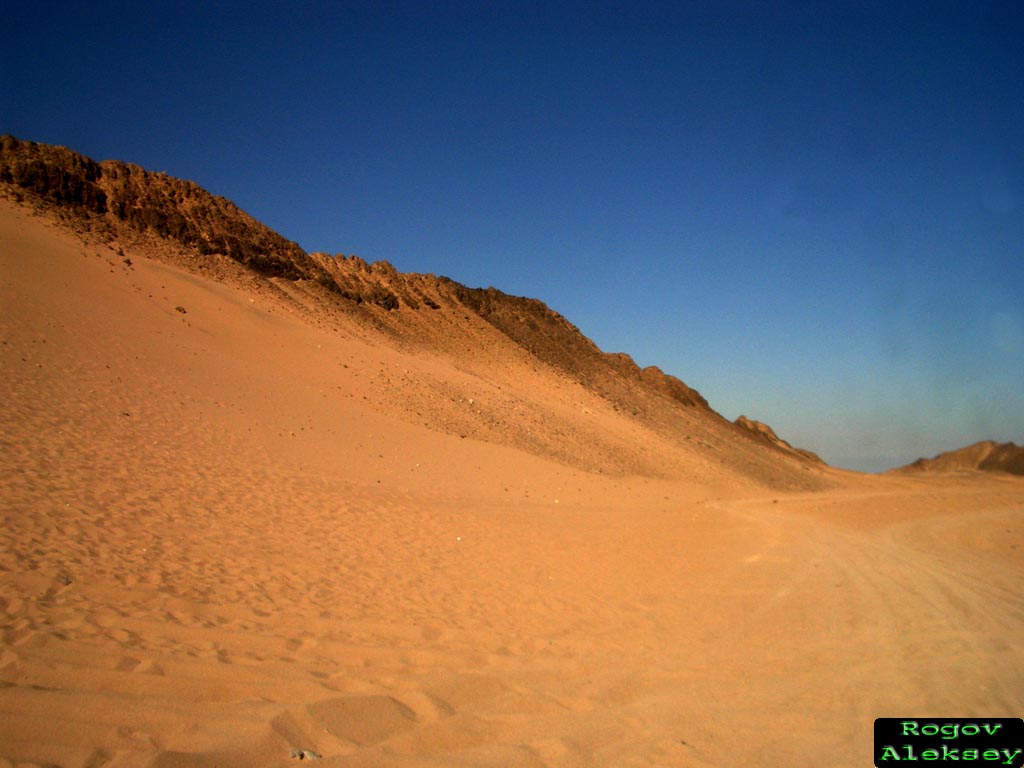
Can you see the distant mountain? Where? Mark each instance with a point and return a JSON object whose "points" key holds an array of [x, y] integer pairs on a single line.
{"points": [[986, 456], [119, 203]]}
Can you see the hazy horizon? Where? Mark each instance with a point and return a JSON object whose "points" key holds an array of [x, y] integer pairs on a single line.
{"points": [[813, 217]]}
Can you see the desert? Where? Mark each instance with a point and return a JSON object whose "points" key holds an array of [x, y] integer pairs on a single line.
{"points": [[251, 520]]}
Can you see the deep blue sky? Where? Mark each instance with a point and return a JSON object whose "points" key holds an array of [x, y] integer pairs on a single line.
{"points": [[813, 213]]}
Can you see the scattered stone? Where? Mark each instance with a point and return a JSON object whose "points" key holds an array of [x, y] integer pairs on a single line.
{"points": [[180, 309]]}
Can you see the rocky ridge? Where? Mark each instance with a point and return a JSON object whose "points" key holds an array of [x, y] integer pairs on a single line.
{"points": [[117, 202]]}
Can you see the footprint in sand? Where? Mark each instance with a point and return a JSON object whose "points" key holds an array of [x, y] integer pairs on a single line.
{"points": [[5, 763], [106, 619], [7, 657], [305, 643], [135, 739], [425, 707], [12, 605], [364, 720], [144, 666], [23, 633], [552, 752], [98, 758]]}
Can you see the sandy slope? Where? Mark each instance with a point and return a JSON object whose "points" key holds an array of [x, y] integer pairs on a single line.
{"points": [[219, 545]]}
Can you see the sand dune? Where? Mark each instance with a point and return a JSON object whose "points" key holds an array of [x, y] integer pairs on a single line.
{"points": [[242, 535]]}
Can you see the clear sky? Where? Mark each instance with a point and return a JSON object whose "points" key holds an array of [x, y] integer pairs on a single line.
{"points": [[811, 212]]}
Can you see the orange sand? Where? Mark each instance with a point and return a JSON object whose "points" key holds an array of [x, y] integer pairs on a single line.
{"points": [[225, 540]]}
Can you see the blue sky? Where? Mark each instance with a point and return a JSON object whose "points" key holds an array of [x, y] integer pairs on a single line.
{"points": [[811, 212]]}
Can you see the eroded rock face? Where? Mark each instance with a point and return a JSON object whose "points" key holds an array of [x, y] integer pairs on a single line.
{"points": [[127, 197], [54, 174]]}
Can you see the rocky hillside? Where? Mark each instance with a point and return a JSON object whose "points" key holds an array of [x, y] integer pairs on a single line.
{"points": [[117, 203], [986, 456]]}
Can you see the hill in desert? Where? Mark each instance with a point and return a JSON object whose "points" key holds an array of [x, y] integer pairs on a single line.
{"points": [[986, 456], [261, 505], [495, 339]]}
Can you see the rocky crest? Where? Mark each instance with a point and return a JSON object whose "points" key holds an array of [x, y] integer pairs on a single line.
{"points": [[120, 196]]}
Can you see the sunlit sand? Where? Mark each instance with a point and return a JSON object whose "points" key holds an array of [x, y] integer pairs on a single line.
{"points": [[241, 533]]}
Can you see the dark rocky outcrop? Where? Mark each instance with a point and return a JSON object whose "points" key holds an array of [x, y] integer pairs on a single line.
{"points": [[127, 197]]}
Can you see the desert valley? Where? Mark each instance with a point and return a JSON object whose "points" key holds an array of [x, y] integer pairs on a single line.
{"points": [[262, 506]]}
